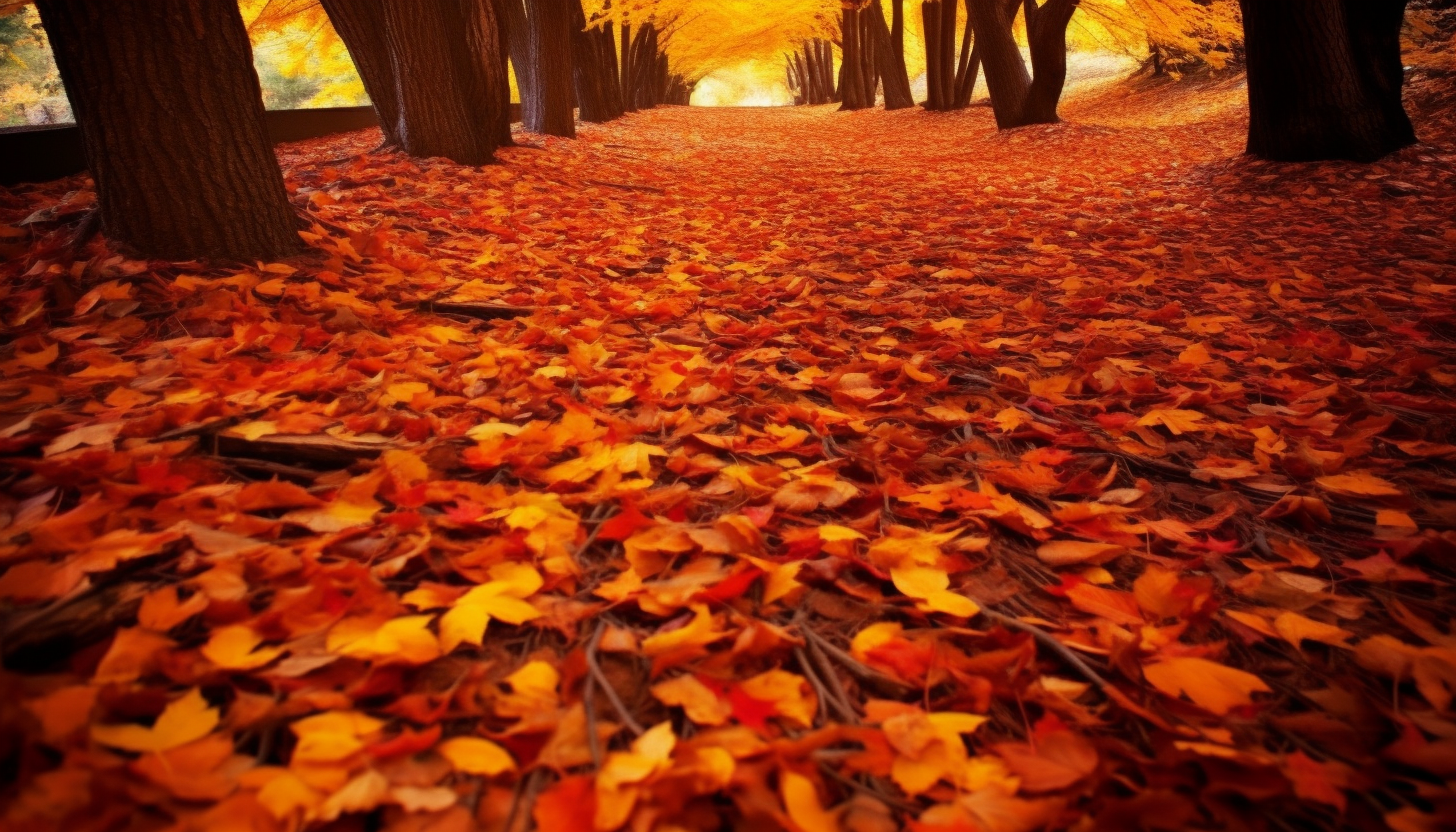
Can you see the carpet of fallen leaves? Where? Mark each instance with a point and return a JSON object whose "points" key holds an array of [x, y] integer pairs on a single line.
{"points": [[749, 470]]}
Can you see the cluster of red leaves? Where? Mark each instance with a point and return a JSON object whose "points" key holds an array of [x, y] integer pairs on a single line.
{"points": [[747, 469]]}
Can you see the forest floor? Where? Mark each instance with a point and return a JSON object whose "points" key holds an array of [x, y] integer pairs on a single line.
{"points": [[750, 469]]}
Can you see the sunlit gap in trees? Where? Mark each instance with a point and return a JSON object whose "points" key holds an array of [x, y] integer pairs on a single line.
{"points": [[748, 84]]}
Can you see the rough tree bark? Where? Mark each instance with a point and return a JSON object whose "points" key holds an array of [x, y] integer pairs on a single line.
{"points": [[625, 71], [516, 36], [445, 101], [892, 71], [967, 68], [360, 24], [930, 26], [171, 118], [851, 81], [485, 42], [1325, 79], [1046, 33], [946, 31], [550, 110], [1006, 74]]}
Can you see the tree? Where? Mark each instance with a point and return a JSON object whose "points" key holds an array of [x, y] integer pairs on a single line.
{"points": [[550, 109], [1019, 97], [449, 71], [514, 22], [360, 24], [171, 117], [1325, 79], [890, 68]]}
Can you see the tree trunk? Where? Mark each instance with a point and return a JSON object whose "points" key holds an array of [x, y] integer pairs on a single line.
{"points": [[628, 95], [607, 42], [897, 36], [947, 63], [1046, 27], [967, 67], [360, 24], [517, 34], [1006, 75], [892, 72], [851, 84], [1325, 79], [549, 111], [443, 97], [171, 118], [930, 22], [485, 44]]}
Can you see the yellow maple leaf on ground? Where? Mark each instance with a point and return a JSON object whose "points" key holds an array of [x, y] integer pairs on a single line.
{"points": [[1215, 687], [184, 720], [1178, 422]]}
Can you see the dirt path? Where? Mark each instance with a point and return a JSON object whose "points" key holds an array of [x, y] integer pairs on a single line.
{"points": [[892, 467]]}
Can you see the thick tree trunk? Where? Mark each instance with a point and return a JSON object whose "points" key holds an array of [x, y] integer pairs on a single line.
{"points": [[1325, 79], [360, 24], [869, 59], [1006, 75], [1047, 35], [485, 43], [517, 34], [892, 72], [443, 100], [550, 110], [897, 35], [607, 43], [851, 82], [171, 118]]}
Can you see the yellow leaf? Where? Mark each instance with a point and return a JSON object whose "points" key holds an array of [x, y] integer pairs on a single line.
{"points": [[184, 720], [1360, 484], [406, 639], [1295, 628], [474, 755], [1212, 686], [1178, 422], [790, 694], [236, 648], [801, 801], [697, 700], [928, 586]]}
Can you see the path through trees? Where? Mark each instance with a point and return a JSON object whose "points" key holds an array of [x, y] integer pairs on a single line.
{"points": [[773, 449]]}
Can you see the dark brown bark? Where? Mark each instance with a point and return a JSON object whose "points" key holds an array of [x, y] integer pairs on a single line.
{"points": [[897, 35], [967, 67], [1325, 79], [1006, 75], [513, 21], [171, 117], [445, 100], [946, 31], [625, 72], [869, 58], [360, 24], [892, 72], [550, 109], [1047, 35], [930, 22], [851, 82], [591, 92], [485, 42]]}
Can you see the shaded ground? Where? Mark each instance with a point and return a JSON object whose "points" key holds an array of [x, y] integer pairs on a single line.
{"points": [[1079, 476]]}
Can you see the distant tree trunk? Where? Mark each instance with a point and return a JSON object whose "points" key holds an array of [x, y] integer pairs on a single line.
{"points": [[1325, 79], [549, 111], [586, 68], [930, 26], [360, 24], [851, 81], [625, 73], [171, 118], [897, 36], [1006, 75], [892, 72], [607, 44], [967, 68], [946, 31], [517, 39], [1046, 28]]}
